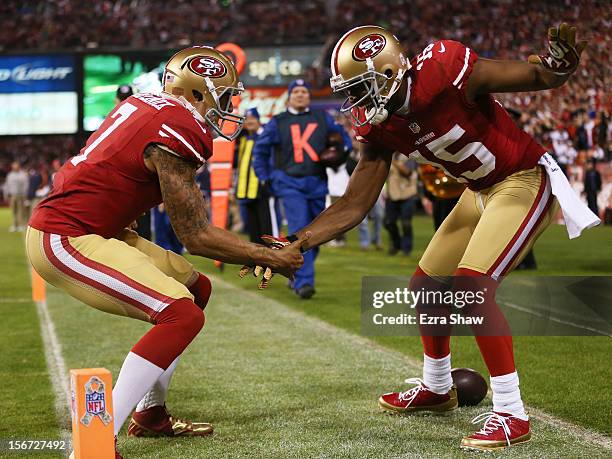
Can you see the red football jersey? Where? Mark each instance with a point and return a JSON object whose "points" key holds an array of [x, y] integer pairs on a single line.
{"points": [[477, 143], [107, 186]]}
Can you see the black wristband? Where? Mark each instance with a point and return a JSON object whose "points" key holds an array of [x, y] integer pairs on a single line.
{"points": [[292, 238]]}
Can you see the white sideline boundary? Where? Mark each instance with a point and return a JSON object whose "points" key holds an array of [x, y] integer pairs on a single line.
{"points": [[57, 370], [573, 430]]}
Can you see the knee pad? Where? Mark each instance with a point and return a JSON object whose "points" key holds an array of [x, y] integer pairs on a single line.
{"points": [[201, 290], [185, 317], [175, 327], [482, 304]]}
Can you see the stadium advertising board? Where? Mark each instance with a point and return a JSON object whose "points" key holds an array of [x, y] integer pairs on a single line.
{"points": [[279, 65], [269, 101], [38, 95], [267, 67], [104, 73]]}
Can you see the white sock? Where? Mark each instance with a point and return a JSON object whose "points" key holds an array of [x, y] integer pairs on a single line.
{"points": [[437, 374], [136, 377], [507, 395], [157, 395]]}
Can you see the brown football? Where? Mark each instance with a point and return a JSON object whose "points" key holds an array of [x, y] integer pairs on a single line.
{"points": [[471, 386]]}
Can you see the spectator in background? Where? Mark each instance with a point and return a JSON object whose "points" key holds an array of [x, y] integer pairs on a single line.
{"points": [[592, 185], [561, 145], [251, 194], [123, 92], [337, 181], [38, 187], [165, 236], [401, 194], [16, 189], [34, 181], [376, 215], [287, 159]]}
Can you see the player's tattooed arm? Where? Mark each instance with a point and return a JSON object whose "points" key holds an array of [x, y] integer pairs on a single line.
{"points": [[361, 194], [185, 205], [546, 71]]}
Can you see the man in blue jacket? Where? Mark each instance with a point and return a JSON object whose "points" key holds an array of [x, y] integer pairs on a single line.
{"points": [[287, 160]]}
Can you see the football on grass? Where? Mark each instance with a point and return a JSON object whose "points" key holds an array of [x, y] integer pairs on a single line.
{"points": [[471, 386]]}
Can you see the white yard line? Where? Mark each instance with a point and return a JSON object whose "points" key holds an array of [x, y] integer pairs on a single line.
{"points": [[15, 300], [555, 319], [412, 365]]}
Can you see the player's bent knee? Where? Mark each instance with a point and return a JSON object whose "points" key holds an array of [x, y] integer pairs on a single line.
{"points": [[184, 315], [470, 280], [192, 319], [201, 290], [421, 280]]}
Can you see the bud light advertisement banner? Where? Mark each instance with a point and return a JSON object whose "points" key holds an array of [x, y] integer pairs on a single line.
{"points": [[37, 74], [38, 95]]}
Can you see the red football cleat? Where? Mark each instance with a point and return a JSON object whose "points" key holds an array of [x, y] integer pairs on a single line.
{"points": [[157, 422], [419, 398], [500, 430]]}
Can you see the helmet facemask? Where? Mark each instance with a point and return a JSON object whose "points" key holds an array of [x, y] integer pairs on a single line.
{"points": [[370, 91], [221, 112]]}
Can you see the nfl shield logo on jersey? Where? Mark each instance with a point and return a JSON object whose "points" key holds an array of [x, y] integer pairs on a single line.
{"points": [[415, 128], [95, 402]]}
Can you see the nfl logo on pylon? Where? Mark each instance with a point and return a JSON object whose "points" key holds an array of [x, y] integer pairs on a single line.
{"points": [[95, 402], [415, 128]]}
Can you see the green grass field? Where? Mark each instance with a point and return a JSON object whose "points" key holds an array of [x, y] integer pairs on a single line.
{"points": [[281, 377]]}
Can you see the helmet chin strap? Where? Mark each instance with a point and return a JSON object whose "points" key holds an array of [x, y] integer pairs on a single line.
{"points": [[380, 115]]}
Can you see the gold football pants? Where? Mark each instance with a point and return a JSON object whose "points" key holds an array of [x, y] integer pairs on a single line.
{"points": [[127, 275], [490, 231]]}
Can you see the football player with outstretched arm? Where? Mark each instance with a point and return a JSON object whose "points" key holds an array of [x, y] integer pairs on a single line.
{"points": [[438, 109], [147, 151]]}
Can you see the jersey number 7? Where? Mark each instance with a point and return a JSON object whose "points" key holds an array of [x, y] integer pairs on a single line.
{"points": [[120, 116]]}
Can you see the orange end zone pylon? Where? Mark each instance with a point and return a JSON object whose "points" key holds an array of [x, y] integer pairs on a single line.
{"points": [[91, 408], [39, 292], [220, 163]]}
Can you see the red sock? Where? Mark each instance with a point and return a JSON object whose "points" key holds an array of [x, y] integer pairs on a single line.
{"points": [[201, 290], [175, 327], [434, 346], [496, 350]]}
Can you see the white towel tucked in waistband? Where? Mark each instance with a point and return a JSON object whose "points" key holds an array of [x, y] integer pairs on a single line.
{"points": [[577, 215]]}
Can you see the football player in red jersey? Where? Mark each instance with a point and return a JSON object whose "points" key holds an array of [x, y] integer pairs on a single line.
{"points": [[438, 109], [147, 151]]}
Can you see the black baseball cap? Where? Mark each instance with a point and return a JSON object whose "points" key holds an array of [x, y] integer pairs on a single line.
{"points": [[124, 91]]}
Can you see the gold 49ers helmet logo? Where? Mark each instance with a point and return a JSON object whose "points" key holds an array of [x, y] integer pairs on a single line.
{"points": [[369, 46], [207, 66]]}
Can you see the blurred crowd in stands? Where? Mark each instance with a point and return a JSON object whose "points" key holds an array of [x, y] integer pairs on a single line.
{"points": [[572, 121]]}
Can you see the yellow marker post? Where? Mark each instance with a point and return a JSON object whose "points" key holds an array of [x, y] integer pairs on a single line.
{"points": [[91, 408]]}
